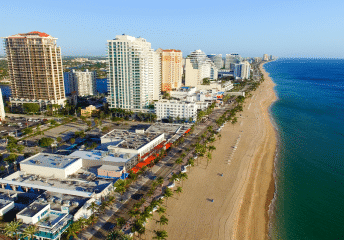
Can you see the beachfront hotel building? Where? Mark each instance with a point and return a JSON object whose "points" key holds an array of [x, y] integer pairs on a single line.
{"points": [[217, 60], [35, 69], [165, 109], [197, 67], [231, 60], [171, 69], [83, 83], [242, 70], [134, 73], [265, 57]]}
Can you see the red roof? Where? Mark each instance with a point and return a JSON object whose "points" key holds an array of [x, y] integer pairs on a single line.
{"points": [[171, 50], [41, 34]]}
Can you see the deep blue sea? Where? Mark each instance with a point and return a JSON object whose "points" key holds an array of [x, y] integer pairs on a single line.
{"points": [[309, 115]]}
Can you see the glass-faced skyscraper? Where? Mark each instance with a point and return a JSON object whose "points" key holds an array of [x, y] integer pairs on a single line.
{"points": [[35, 69], [134, 73]]}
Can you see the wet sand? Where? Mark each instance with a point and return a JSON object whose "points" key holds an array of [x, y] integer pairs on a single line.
{"points": [[244, 192]]}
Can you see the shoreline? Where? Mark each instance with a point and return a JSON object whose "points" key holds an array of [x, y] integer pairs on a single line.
{"points": [[242, 195]]}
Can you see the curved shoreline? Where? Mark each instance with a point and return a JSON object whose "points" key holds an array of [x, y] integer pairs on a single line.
{"points": [[251, 214], [243, 193]]}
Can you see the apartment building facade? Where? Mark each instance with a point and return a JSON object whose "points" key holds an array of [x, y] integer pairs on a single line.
{"points": [[134, 74], [197, 67], [165, 109], [171, 69], [242, 70], [35, 69], [83, 83]]}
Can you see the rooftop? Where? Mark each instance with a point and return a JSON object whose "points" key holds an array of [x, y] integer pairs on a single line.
{"points": [[111, 168], [82, 184], [129, 139], [103, 155], [33, 209], [50, 160], [4, 203]]}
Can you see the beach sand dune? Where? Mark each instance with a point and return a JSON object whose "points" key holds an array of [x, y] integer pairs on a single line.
{"points": [[242, 195]]}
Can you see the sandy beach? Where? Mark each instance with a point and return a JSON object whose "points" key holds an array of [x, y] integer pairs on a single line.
{"points": [[243, 194]]}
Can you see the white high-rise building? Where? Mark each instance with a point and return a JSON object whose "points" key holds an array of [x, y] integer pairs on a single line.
{"points": [[2, 108], [242, 70], [217, 60], [82, 83], [134, 73], [231, 60], [197, 67], [265, 57]]}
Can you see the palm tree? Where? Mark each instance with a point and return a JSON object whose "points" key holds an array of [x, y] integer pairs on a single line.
{"points": [[179, 190], [211, 148], [163, 220], [73, 230], [138, 227], [191, 162], [134, 213], [120, 222], [168, 193], [179, 161], [12, 228], [93, 207], [160, 235], [183, 176], [209, 157], [29, 231], [161, 210], [160, 180], [117, 235]]}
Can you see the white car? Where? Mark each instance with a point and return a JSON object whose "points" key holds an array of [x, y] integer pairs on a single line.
{"points": [[171, 185]]}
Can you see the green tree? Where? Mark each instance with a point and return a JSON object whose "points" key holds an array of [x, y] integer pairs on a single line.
{"points": [[179, 190], [182, 177], [163, 220], [31, 107], [120, 222], [168, 193], [45, 142], [11, 158], [161, 210], [27, 131], [160, 235], [117, 235], [30, 231], [179, 161], [72, 140], [73, 230], [93, 207], [12, 228], [59, 139]]}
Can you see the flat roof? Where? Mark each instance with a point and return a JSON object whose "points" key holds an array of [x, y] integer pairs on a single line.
{"points": [[103, 156], [4, 203], [50, 160], [129, 139], [32, 209], [82, 184], [111, 168]]}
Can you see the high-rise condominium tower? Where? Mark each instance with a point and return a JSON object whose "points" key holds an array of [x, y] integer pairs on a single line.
{"points": [[231, 60], [197, 67], [35, 69], [82, 83], [217, 60], [171, 69], [134, 73]]}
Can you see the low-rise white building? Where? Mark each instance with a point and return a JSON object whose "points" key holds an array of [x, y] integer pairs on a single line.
{"points": [[165, 109], [51, 165]]}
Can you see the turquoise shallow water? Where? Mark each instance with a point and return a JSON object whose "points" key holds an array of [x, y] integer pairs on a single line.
{"points": [[309, 115]]}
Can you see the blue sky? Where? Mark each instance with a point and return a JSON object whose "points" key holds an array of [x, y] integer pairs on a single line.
{"points": [[285, 28]]}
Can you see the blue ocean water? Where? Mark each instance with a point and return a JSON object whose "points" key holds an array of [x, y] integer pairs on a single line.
{"points": [[309, 115]]}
